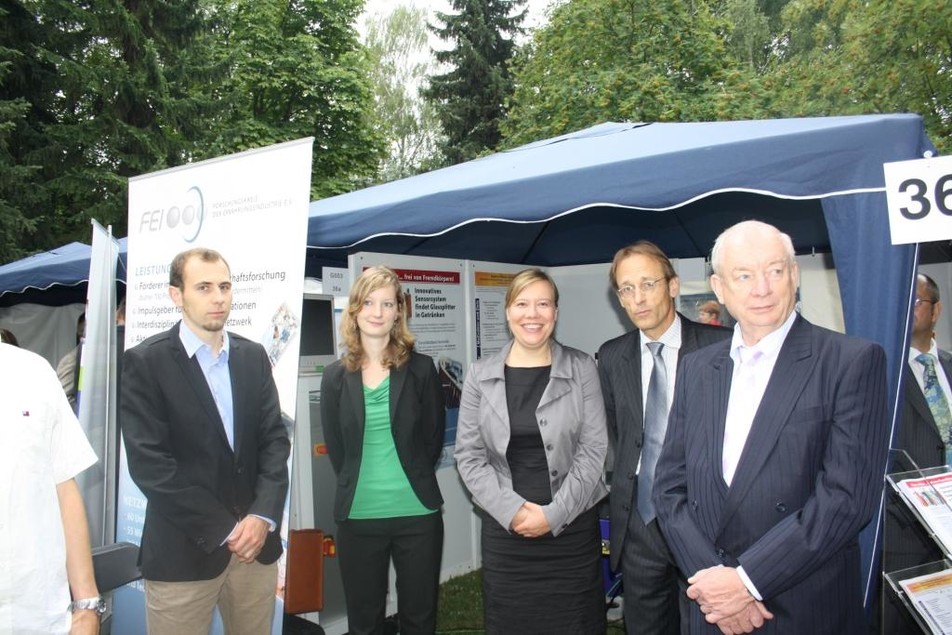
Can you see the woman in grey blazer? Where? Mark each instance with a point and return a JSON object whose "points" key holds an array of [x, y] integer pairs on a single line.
{"points": [[530, 447]]}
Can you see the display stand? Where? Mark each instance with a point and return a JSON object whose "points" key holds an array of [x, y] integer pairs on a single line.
{"points": [[925, 590]]}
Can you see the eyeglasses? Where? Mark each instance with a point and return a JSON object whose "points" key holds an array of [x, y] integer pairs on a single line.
{"points": [[628, 291], [922, 300]]}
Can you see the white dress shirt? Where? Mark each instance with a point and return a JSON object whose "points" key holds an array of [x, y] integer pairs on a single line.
{"points": [[672, 345], [753, 366]]}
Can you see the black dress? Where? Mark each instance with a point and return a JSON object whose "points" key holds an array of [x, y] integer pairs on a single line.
{"points": [[548, 584]]}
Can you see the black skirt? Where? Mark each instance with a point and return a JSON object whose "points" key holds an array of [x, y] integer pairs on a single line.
{"points": [[550, 584]]}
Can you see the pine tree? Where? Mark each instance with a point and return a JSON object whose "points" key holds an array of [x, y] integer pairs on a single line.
{"points": [[110, 93], [471, 96]]}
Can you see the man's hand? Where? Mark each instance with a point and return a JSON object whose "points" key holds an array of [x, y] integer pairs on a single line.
{"points": [[748, 620], [84, 623], [533, 524], [720, 593], [248, 538]]}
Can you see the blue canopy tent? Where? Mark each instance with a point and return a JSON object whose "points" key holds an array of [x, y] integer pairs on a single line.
{"points": [[36, 275], [577, 198], [52, 278]]}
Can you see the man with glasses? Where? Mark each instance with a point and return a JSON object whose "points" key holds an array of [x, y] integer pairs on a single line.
{"points": [[637, 372], [924, 437]]}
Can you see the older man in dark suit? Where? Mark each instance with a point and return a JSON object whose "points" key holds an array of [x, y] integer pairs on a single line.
{"points": [[774, 455], [647, 285], [206, 445], [924, 438]]}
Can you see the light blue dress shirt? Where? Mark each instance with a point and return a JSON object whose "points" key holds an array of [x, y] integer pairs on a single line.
{"points": [[217, 375]]}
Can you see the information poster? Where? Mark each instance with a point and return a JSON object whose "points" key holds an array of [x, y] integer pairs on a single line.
{"points": [[489, 310], [489, 282], [252, 208]]}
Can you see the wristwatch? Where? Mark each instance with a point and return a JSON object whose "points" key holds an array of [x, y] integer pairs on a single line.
{"points": [[89, 604]]}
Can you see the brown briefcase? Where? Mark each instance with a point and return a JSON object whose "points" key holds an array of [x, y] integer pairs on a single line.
{"points": [[304, 578]]}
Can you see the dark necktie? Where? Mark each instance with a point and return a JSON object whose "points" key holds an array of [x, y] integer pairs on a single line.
{"points": [[656, 422]]}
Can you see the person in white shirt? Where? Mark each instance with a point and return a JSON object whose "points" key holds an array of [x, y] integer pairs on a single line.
{"points": [[774, 455], [47, 586]]}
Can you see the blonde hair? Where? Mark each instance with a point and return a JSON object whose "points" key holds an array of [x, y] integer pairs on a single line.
{"points": [[526, 277], [401, 339]]}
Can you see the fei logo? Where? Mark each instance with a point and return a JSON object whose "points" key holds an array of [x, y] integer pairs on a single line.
{"points": [[184, 217]]}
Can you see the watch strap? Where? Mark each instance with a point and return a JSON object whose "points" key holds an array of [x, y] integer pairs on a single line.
{"points": [[88, 604]]}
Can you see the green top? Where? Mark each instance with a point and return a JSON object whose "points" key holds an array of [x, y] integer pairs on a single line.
{"points": [[383, 490]]}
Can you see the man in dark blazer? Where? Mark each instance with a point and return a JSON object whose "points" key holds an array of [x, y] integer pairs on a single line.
{"points": [[646, 285], [774, 455], [207, 447], [905, 542]]}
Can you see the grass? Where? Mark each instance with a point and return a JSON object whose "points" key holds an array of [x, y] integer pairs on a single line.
{"points": [[460, 609]]}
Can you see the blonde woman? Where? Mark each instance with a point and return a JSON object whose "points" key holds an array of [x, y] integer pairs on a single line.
{"points": [[383, 415], [530, 447]]}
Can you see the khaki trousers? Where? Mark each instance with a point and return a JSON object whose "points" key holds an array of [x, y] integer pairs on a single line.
{"points": [[243, 593]]}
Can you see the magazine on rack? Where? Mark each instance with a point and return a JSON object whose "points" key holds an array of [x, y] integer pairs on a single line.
{"points": [[931, 596], [931, 497]]}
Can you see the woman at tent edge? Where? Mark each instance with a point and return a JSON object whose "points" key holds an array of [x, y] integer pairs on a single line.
{"points": [[388, 501], [531, 442]]}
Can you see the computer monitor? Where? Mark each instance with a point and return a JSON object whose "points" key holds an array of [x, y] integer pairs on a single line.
{"points": [[318, 333]]}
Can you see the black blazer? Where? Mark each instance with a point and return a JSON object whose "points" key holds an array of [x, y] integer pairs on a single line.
{"points": [[619, 369], [198, 487], [417, 420], [918, 434], [808, 480]]}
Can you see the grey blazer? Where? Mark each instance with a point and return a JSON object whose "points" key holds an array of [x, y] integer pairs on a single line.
{"points": [[571, 417]]}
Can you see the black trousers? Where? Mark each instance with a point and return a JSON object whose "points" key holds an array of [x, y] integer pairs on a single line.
{"points": [[653, 600], [365, 549]]}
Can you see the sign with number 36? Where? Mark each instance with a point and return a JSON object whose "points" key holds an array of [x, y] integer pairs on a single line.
{"points": [[919, 194]]}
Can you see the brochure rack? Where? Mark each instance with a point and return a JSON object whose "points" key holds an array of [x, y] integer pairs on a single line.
{"points": [[926, 590]]}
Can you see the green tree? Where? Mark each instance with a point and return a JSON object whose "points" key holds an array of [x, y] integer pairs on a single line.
{"points": [[95, 75], [120, 112], [14, 224], [296, 69], [93, 92], [471, 96], [400, 62], [16, 173], [599, 60], [749, 36], [856, 57]]}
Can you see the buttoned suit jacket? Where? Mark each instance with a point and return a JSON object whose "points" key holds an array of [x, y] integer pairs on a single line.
{"points": [[806, 483], [571, 418], [619, 368], [197, 487], [417, 422]]}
